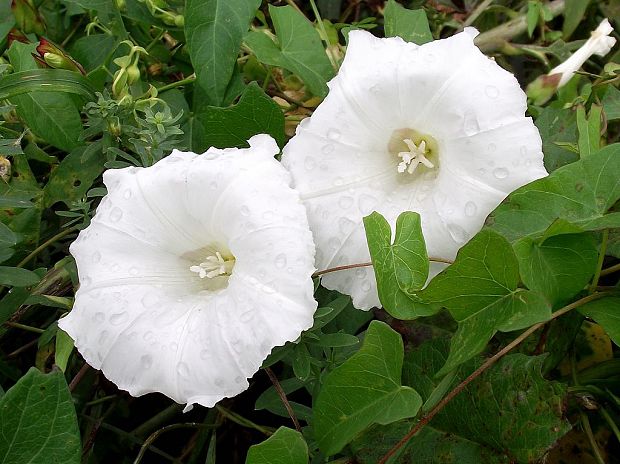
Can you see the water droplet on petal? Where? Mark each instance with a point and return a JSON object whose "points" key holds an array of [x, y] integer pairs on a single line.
{"points": [[360, 273], [103, 336], [146, 361], [238, 379], [213, 185], [183, 369], [280, 261], [375, 88], [338, 181], [149, 300], [345, 202], [127, 194], [523, 150], [500, 173], [345, 225], [470, 208], [366, 203], [333, 134], [366, 286], [99, 317], [334, 243], [245, 211], [491, 147], [309, 163], [268, 215], [116, 214], [119, 318], [174, 346], [148, 336], [491, 91], [205, 354], [470, 125], [457, 233], [329, 148], [133, 271], [96, 257]]}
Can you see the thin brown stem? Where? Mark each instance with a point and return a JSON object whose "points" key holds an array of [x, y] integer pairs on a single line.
{"points": [[28, 328], [78, 377], [282, 395], [44, 245], [149, 441], [610, 270], [354, 266], [474, 375]]}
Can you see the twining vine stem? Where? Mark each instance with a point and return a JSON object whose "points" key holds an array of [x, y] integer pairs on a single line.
{"points": [[283, 398], [354, 266], [474, 375]]}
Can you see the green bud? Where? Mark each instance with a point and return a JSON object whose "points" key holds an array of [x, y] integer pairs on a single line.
{"points": [[133, 74], [543, 88], [119, 85]]}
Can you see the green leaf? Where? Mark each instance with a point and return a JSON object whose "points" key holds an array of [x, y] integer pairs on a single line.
{"points": [[335, 340], [365, 389], [410, 25], [606, 313], [559, 267], [92, 51], [511, 408], [45, 80], [214, 31], [17, 277], [255, 113], [611, 103], [270, 400], [400, 268], [534, 9], [53, 116], [7, 236], [481, 292], [286, 446], [580, 193], [299, 48], [39, 424], [71, 180], [64, 348], [573, 14], [558, 128], [589, 130]]}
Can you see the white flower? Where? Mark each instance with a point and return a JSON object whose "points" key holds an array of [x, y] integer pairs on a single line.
{"points": [[438, 129], [599, 44], [191, 271]]}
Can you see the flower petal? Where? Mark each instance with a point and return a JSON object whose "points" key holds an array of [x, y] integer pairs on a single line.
{"points": [[342, 165], [147, 321]]}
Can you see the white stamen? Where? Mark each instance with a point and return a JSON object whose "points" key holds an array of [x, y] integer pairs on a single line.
{"points": [[213, 266], [415, 156]]}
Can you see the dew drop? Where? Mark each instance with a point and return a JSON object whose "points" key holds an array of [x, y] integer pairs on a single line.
{"points": [[280, 261], [523, 150], [174, 346], [219, 382], [119, 318], [103, 336], [366, 203], [183, 369], [491, 147], [133, 271], [329, 148], [334, 243], [345, 225], [238, 379], [375, 89], [309, 163], [246, 316], [333, 134], [149, 300], [245, 211], [500, 173], [146, 361], [127, 194], [360, 273], [470, 125], [268, 215], [99, 317], [213, 185], [205, 354], [345, 202], [366, 285], [470, 208], [491, 91], [148, 336], [457, 233], [96, 257], [86, 281], [116, 214], [339, 181], [482, 171]]}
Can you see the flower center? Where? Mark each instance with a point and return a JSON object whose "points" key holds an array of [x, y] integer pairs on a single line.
{"points": [[416, 152], [213, 266]]}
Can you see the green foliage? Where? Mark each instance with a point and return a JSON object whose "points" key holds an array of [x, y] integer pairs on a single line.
{"points": [[605, 312], [286, 446], [298, 50], [366, 389], [39, 423], [410, 25], [400, 268], [214, 30]]}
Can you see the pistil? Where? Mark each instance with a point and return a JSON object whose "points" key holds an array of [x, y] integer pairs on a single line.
{"points": [[414, 157], [213, 266]]}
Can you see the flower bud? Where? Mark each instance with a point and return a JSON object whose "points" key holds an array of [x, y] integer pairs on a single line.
{"points": [[119, 85], [133, 74], [50, 55]]}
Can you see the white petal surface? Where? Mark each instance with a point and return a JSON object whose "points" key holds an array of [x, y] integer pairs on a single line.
{"points": [[341, 164], [147, 321]]}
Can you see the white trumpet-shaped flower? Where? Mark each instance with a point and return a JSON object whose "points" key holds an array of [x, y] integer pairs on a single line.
{"points": [[439, 129], [191, 271], [599, 44]]}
